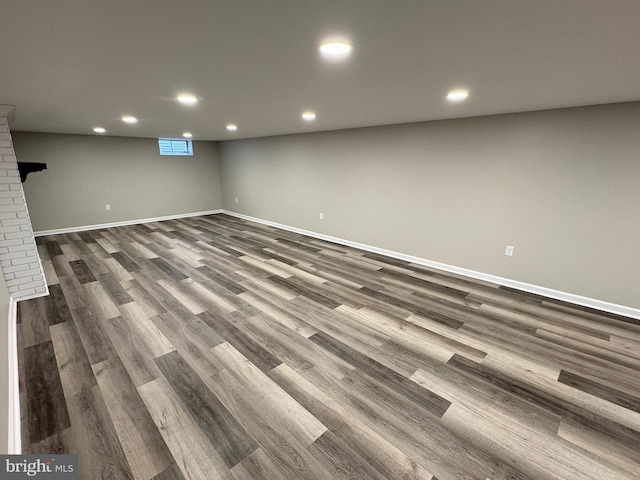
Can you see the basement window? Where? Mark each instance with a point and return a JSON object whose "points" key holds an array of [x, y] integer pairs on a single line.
{"points": [[175, 146]]}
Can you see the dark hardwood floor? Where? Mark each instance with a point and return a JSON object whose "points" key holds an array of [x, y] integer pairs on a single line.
{"points": [[215, 348]]}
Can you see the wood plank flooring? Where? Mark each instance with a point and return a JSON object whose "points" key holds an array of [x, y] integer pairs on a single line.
{"points": [[214, 348]]}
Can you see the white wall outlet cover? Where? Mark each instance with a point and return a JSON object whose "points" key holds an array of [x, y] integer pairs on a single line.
{"points": [[509, 250]]}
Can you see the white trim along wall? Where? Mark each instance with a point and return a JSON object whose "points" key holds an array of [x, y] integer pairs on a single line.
{"points": [[13, 424]]}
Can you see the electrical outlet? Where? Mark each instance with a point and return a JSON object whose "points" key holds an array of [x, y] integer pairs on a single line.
{"points": [[509, 251], [321, 216], [107, 207], [236, 199]]}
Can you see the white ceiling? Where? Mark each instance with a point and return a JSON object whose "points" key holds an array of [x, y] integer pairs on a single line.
{"points": [[70, 65]]}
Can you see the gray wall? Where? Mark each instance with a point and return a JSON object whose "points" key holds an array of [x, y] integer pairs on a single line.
{"points": [[562, 186], [86, 172]]}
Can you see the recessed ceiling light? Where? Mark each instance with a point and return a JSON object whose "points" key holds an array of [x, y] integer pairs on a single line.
{"points": [[129, 119], [457, 95], [187, 135], [309, 116], [335, 48], [187, 99], [99, 130], [232, 128]]}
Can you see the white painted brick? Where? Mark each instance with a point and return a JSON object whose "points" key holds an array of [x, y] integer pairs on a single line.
{"points": [[14, 255], [11, 243], [21, 261], [23, 248], [17, 268], [14, 221], [39, 283], [19, 281], [11, 250], [13, 208], [9, 236], [17, 262], [25, 273], [24, 293]]}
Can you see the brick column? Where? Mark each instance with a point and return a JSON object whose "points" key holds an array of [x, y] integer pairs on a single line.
{"points": [[19, 259]]}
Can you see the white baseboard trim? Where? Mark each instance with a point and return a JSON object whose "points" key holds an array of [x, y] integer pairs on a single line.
{"points": [[84, 228], [13, 424], [544, 291]]}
